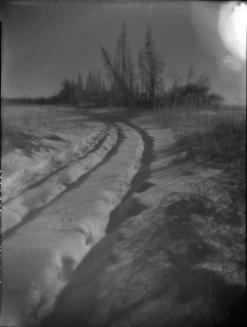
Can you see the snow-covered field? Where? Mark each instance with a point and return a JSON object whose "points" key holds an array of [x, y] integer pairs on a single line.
{"points": [[38, 141], [45, 247], [147, 270], [76, 260]]}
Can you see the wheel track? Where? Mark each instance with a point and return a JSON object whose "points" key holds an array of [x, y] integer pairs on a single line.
{"points": [[36, 212], [122, 211], [112, 152], [37, 183], [87, 272]]}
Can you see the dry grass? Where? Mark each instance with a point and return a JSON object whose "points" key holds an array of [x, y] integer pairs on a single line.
{"points": [[221, 143], [212, 221], [212, 254]]}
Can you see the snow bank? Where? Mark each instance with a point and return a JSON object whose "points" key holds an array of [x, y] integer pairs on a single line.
{"points": [[46, 250], [21, 171], [15, 210]]}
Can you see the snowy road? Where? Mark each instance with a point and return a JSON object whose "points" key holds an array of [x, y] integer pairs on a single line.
{"points": [[51, 225], [56, 182], [136, 274]]}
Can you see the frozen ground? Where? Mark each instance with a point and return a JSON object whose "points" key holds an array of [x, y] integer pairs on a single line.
{"points": [[106, 249], [54, 184], [163, 262], [39, 141], [45, 246]]}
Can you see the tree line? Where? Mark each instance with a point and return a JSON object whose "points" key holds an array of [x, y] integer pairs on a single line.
{"points": [[138, 82], [127, 82]]}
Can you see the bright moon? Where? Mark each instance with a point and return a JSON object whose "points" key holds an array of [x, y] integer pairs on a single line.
{"points": [[232, 28]]}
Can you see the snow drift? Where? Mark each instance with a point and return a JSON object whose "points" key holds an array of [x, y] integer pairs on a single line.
{"points": [[15, 210], [46, 250], [21, 171]]}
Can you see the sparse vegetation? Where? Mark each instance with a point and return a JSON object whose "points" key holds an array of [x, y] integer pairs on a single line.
{"points": [[222, 144], [132, 83], [211, 217], [211, 260], [194, 93]]}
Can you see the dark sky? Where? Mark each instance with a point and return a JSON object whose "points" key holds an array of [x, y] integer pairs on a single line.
{"points": [[46, 42]]}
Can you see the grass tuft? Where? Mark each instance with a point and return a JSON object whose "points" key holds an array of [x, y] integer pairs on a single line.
{"points": [[223, 142]]}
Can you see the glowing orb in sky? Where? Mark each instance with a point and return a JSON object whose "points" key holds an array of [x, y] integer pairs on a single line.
{"points": [[232, 28]]}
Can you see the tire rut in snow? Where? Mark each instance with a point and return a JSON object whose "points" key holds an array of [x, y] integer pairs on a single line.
{"points": [[33, 214], [86, 275], [107, 158], [98, 144], [130, 206]]}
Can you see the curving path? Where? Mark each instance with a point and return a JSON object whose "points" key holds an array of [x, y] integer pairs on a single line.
{"points": [[59, 225], [57, 182]]}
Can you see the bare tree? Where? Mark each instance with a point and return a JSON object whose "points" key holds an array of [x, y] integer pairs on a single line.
{"points": [[111, 69], [151, 69], [79, 89]]}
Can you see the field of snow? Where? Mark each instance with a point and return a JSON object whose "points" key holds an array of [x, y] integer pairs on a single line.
{"points": [[113, 230], [157, 266], [46, 248], [31, 199], [40, 144]]}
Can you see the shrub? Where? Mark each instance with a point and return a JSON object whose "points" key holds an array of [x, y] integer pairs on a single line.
{"points": [[223, 141]]}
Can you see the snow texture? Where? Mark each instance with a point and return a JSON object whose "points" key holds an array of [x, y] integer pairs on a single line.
{"points": [[15, 210], [40, 256]]}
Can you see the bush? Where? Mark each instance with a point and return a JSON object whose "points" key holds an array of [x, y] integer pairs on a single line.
{"points": [[221, 142]]}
